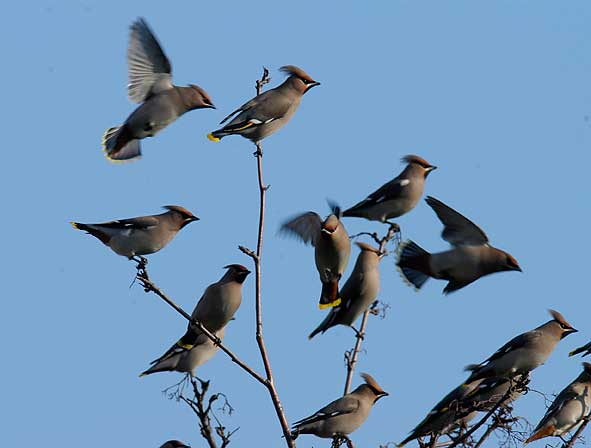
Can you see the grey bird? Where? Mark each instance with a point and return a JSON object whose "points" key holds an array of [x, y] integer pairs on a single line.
{"points": [[463, 403], [269, 111], [215, 309], [470, 258], [185, 358], [525, 352], [150, 83], [140, 236], [358, 293], [569, 408], [397, 197], [344, 415], [490, 391], [585, 348], [332, 248], [174, 444], [445, 415]]}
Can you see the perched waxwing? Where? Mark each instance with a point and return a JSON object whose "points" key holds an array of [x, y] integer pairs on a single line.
{"points": [[490, 391], [470, 258], [585, 348], [269, 111], [359, 292], [445, 416], [569, 408], [150, 83], [525, 352], [397, 197], [332, 248], [186, 359], [215, 309], [174, 444], [143, 235], [344, 415]]}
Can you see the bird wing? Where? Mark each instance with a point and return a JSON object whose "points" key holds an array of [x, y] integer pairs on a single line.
{"points": [[458, 230], [149, 69], [139, 223], [343, 405], [559, 402], [305, 226], [263, 108], [517, 342]]}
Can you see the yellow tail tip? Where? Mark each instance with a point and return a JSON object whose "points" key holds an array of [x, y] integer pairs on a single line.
{"points": [[323, 306], [180, 343], [212, 137], [75, 225]]}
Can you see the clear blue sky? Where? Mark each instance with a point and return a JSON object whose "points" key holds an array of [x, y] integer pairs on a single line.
{"points": [[498, 95]]}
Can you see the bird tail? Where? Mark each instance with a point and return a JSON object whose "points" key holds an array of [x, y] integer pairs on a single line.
{"points": [[413, 263], [329, 297], [89, 228], [545, 431], [119, 146], [216, 136], [324, 325]]}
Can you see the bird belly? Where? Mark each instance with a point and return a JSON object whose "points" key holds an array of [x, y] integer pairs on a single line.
{"points": [[150, 118]]}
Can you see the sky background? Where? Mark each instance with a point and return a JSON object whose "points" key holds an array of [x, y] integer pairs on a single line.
{"points": [[496, 94]]}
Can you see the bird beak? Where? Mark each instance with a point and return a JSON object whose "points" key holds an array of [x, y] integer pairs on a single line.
{"points": [[193, 218], [210, 106], [312, 84], [517, 268], [431, 168], [383, 394]]}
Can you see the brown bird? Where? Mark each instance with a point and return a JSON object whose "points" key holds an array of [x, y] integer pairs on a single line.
{"points": [[471, 257], [569, 408], [332, 248], [150, 83], [143, 235], [397, 197], [525, 352], [269, 111], [358, 293]]}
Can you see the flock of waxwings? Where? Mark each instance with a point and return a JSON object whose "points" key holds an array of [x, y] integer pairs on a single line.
{"points": [[470, 257]]}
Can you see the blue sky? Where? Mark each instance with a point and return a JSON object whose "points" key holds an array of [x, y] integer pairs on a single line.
{"points": [[496, 94]]}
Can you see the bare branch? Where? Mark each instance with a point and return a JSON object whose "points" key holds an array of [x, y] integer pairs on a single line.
{"points": [[149, 286], [351, 356], [256, 258]]}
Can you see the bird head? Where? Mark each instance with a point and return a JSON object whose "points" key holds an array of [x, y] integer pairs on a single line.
{"points": [[412, 159], [508, 263], [237, 272], [564, 327], [197, 98], [175, 444], [181, 215], [299, 78], [373, 386]]}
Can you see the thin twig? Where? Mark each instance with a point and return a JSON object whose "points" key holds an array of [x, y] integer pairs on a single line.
{"points": [[483, 420], [149, 286], [351, 357], [256, 258]]}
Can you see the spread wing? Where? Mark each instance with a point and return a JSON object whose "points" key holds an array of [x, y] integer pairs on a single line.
{"points": [[149, 69], [458, 230], [343, 405], [305, 227]]}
